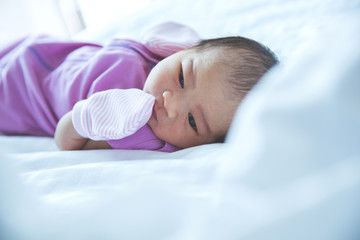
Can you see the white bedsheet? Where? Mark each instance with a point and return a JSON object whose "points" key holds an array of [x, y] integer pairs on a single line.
{"points": [[289, 170]]}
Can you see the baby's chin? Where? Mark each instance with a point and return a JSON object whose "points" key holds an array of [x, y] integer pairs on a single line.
{"points": [[153, 124]]}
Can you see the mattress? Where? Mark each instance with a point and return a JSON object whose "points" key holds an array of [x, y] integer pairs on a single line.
{"points": [[289, 168]]}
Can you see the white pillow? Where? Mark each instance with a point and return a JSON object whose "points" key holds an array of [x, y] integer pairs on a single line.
{"points": [[292, 163]]}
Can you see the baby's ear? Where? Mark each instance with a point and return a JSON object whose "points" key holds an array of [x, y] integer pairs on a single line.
{"points": [[168, 38]]}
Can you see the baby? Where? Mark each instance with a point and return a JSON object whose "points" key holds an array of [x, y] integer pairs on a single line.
{"points": [[192, 94]]}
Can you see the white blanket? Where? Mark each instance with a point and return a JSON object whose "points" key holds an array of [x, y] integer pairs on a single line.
{"points": [[289, 170]]}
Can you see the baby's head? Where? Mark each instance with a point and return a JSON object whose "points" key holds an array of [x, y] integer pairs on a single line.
{"points": [[198, 90]]}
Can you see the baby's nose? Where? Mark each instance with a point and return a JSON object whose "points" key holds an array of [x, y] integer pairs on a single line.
{"points": [[170, 104]]}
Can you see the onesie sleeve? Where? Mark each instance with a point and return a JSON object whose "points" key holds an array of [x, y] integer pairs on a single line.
{"points": [[112, 114], [168, 38]]}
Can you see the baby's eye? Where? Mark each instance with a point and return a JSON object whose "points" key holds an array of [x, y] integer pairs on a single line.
{"points": [[192, 122], [181, 79]]}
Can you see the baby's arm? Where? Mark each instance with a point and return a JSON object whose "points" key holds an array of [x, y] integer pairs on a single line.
{"points": [[107, 115], [67, 138]]}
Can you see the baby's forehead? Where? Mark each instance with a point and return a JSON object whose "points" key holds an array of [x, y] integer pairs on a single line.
{"points": [[207, 60], [209, 53], [216, 59]]}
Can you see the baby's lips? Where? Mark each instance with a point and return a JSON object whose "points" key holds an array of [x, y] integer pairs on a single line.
{"points": [[154, 112]]}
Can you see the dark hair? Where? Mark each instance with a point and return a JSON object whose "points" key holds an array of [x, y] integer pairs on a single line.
{"points": [[245, 60]]}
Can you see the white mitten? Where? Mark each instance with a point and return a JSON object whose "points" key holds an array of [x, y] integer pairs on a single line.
{"points": [[112, 114]]}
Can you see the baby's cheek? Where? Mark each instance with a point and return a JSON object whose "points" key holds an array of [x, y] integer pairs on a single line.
{"points": [[166, 134], [156, 128]]}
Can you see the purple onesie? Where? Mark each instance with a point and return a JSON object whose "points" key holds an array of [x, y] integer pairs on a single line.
{"points": [[42, 78]]}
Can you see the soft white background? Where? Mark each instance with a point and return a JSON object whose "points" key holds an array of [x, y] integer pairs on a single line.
{"points": [[290, 167]]}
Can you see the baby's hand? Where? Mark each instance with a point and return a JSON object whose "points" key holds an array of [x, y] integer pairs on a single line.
{"points": [[112, 114]]}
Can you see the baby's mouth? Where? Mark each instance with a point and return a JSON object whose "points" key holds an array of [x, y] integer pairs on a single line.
{"points": [[154, 113]]}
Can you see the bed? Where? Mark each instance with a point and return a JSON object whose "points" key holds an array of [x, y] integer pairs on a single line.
{"points": [[290, 166]]}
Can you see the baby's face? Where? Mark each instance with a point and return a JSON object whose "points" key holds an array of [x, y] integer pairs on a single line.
{"points": [[191, 107]]}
